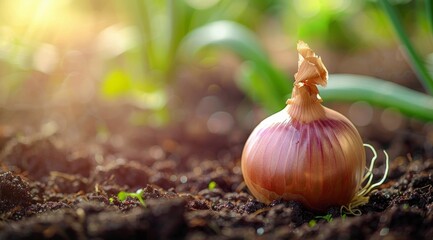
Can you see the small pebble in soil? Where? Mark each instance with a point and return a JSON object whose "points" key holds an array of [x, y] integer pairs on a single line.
{"points": [[260, 231], [384, 232]]}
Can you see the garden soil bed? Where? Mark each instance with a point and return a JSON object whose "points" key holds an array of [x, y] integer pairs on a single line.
{"points": [[60, 180], [52, 190]]}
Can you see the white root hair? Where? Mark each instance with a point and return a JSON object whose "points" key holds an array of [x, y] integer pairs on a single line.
{"points": [[362, 195]]}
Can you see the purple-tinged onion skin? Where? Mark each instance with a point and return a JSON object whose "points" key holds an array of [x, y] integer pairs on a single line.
{"points": [[319, 163]]}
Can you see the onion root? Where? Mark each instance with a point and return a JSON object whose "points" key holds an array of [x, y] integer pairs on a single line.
{"points": [[362, 196]]}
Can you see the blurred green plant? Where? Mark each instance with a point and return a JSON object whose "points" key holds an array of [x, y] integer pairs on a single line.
{"points": [[415, 60], [328, 20], [144, 73], [265, 84]]}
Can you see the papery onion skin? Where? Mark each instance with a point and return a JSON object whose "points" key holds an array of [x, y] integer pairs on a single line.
{"points": [[316, 163], [305, 152]]}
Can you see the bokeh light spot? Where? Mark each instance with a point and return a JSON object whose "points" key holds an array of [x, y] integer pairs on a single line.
{"points": [[220, 123], [361, 113], [183, 179], [391, 119], [46, 58]]}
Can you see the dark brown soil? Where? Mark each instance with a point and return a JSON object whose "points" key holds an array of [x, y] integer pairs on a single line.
{"points": [[51, 189]]}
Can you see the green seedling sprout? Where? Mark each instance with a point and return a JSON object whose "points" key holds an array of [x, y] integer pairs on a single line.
{"points": [[212, 185], [327, 217], [313, 222], [343, 216], [122, 196]]}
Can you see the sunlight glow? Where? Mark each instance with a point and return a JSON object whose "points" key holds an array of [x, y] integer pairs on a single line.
{"points": [[35, 15]]}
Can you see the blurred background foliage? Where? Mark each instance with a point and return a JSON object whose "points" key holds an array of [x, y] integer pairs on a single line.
{"points": [[67, 52]]}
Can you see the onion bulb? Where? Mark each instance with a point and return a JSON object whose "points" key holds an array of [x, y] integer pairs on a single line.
{"points": [[307, 152]]}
